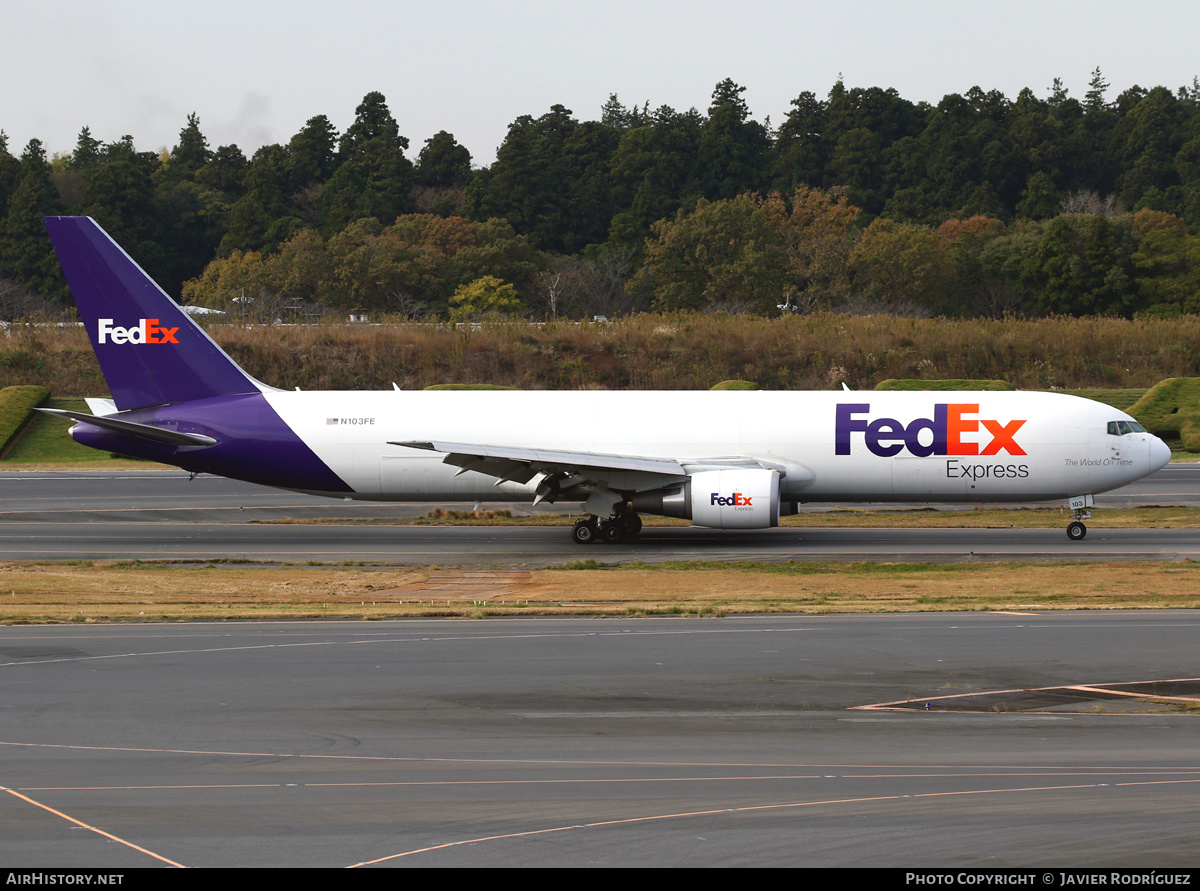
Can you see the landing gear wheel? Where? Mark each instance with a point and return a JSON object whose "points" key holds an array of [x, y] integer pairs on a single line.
{"points": [[612, 532], [585, 531], [1076, 531], [631, 524]]}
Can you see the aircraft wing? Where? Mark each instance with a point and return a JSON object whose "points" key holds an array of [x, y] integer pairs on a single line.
{"points": [[516, 464], [596, 477]]}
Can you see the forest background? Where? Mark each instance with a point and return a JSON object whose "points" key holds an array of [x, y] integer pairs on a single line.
{"points": [[862, 203]]}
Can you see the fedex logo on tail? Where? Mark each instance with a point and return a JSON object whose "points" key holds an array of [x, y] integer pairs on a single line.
{"points": [[146, 331], [950, 422]]}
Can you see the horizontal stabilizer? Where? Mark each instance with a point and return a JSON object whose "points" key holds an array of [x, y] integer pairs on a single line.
{"points": [[101, 406], [130, 428]]}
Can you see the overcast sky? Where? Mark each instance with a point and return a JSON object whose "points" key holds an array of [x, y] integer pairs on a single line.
{"points": [[255, 71]]}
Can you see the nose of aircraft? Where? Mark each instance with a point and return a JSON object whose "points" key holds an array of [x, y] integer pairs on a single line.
{"points": [[1160, 454]]}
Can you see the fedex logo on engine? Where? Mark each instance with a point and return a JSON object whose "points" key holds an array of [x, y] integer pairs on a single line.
{"points": [[737, 499], [146, 331], [950, 422]]}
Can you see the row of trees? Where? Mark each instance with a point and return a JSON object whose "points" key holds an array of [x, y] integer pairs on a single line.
{"points": [[805, 251], [862, 199], [810, 248]]}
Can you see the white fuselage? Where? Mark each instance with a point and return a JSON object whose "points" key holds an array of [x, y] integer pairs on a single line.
{"points": [[890, 443]]}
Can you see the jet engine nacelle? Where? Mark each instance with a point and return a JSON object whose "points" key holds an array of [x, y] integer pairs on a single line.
{"points": [[735, 499], [738, 498]]}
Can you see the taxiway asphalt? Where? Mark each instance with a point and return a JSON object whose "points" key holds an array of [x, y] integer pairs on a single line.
{"points": [[574, 742], [163, 514]]}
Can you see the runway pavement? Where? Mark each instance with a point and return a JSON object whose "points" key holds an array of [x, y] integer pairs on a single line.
{"points": [[597, 742], [161, 514]]}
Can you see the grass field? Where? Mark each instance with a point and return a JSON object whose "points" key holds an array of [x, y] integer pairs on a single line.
{"points": [[16, 407], [144, 592]]}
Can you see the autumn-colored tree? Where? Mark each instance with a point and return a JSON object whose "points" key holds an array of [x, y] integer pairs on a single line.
{"points": [[817, 232], [901, 267], [229, 284], [1167, 262], [484, 298], [724, 254]]}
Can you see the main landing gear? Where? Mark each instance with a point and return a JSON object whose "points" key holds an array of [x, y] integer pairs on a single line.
{"points": [[623, 526]]}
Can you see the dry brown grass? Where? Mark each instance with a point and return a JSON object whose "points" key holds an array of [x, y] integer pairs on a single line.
{"points": [[682, 351], [103, 592], [146, 592]]}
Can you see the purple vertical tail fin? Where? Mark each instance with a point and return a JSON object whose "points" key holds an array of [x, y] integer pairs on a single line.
{"points": [[150, 351]]}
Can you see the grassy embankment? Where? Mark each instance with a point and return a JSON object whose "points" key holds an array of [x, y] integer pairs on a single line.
{"points": [[44, 443], [16, 411]]}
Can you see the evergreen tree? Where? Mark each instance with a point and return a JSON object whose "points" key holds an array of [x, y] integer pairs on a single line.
{"points": [[651, 173], [225, 172], [1146, 142], [190, 155], [971, 162], [800, 151], [443, 163], [550, 180], [733, 149], [314, 151], [263, 217], [867, 131], [87, 152], [614, 114], [10, 174], [120, 193], [26, 254], [374, 179], [1093, 99]]}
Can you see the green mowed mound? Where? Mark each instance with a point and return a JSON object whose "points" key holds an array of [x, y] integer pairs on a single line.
{"points": [[1171, 409], [46, 443], [16, 410]]}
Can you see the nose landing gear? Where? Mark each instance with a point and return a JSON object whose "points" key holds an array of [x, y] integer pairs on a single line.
{"points": [[1079, 512]]}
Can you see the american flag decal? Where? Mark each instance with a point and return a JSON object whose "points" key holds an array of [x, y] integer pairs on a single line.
{"points": [[329, 421]]}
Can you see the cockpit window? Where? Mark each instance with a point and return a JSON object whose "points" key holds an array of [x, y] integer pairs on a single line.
{"points": [[1120, 428]]}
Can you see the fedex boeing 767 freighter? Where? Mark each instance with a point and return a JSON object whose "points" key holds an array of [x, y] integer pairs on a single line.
{"points": [[733, 460]]}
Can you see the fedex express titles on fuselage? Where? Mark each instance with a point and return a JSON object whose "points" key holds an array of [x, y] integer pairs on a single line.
{"points": [[991, 446]]}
